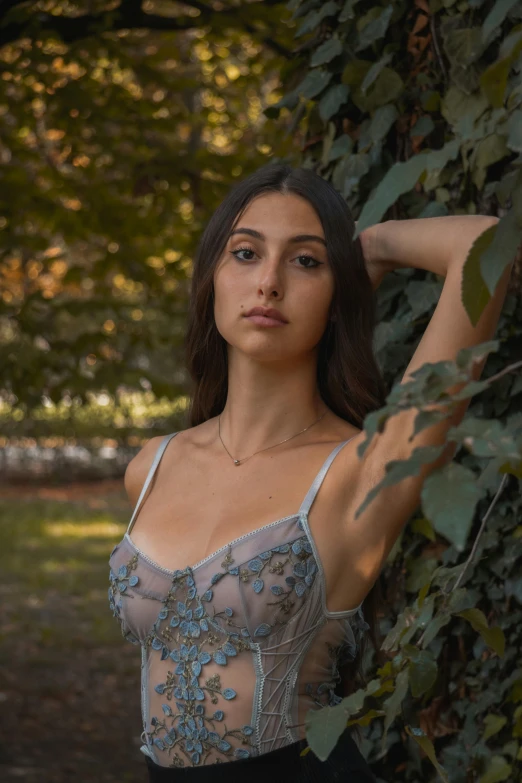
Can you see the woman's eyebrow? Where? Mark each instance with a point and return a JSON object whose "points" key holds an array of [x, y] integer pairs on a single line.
{"points": [[298, 238]]}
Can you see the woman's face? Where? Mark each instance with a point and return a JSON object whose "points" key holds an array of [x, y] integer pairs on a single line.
{"points": [[269, 271]]}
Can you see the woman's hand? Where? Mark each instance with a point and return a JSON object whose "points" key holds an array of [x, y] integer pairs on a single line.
{"points": [[370, 247]]}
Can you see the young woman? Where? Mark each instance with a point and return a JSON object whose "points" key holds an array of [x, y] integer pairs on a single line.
{"points": [[246, 577]]}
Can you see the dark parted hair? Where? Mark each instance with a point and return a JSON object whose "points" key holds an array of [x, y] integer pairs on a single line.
{"points": [[348, 377]]}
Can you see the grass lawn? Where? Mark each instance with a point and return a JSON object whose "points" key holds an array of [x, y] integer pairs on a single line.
{"points": [[69, 682]]}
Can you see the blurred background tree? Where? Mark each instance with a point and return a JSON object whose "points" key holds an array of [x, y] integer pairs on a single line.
{"points": [[122, 125]]}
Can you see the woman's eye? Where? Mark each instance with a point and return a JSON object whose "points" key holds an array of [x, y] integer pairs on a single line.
{"points": [[310, 258], [242, 250], [306, 258]]}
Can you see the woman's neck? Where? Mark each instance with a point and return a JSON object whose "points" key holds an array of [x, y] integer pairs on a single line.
{"points": [[268, 403]]}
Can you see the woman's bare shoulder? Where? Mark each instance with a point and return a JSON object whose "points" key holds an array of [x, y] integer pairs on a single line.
{"points": [[139, 466]]}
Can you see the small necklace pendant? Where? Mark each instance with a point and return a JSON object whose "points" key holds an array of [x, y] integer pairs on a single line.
{"points": [[237, 461]]}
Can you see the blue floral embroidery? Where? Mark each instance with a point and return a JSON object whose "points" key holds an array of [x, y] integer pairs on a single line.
{"points": [[304, 568], [118, 586], [177, 634], [190, 633]]}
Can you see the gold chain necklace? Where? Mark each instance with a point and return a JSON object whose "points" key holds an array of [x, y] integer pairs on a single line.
{"points": [[239, 461]]}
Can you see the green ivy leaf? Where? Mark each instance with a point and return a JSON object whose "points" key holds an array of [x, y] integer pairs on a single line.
{"points": [[514, 130], [428, 418], [498, 769], [422, 295], [514, 587], [475, 293], [449, 496], [460, 600], [443, 576], [422, 670], [355, 71], [300, 8], [466, 357], [325, 726], [427, 746], [374, 71], [500, 249], [441, 619], [486, 438], [494, 82], [494, 637], [329, 49], [393, 704], [463, 46], [488, 151], [323, 729], [493, 724], [313, 83], [381, 122], [424, 527], [400, 178], [424, 610], [420, 573], [514, 470], [343, 145], [349, 170], [496, 16], [370, 31], [348, 12], [332, 100], [461, 111], [312, 20], [367, 718], [437, 159], [422, 594], [387, 87], [404, 621]]}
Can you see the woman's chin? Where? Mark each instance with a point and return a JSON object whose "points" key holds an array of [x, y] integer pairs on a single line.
{"points": [[263, 350]]}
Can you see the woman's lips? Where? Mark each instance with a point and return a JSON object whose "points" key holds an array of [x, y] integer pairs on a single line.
{"points": [[262, 320]]}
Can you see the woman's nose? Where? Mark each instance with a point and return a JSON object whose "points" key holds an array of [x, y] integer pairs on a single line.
{"points": [[270, 284], [270, 278]]}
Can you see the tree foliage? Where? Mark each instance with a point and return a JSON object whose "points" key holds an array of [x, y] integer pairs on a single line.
{"points": [[413, 110], [121, 127]]}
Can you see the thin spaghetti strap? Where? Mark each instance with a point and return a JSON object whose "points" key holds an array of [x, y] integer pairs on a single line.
{"points": [[318, 480], [155, 462]]}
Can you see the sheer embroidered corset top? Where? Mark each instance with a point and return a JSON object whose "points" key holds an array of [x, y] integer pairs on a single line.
{"points": [[236, 649]]}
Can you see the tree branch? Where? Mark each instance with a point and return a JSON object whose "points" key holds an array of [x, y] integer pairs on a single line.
{"points": [[481, 530]]}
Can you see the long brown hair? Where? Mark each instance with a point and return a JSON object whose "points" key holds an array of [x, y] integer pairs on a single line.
{"points": [[348, 377]]}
